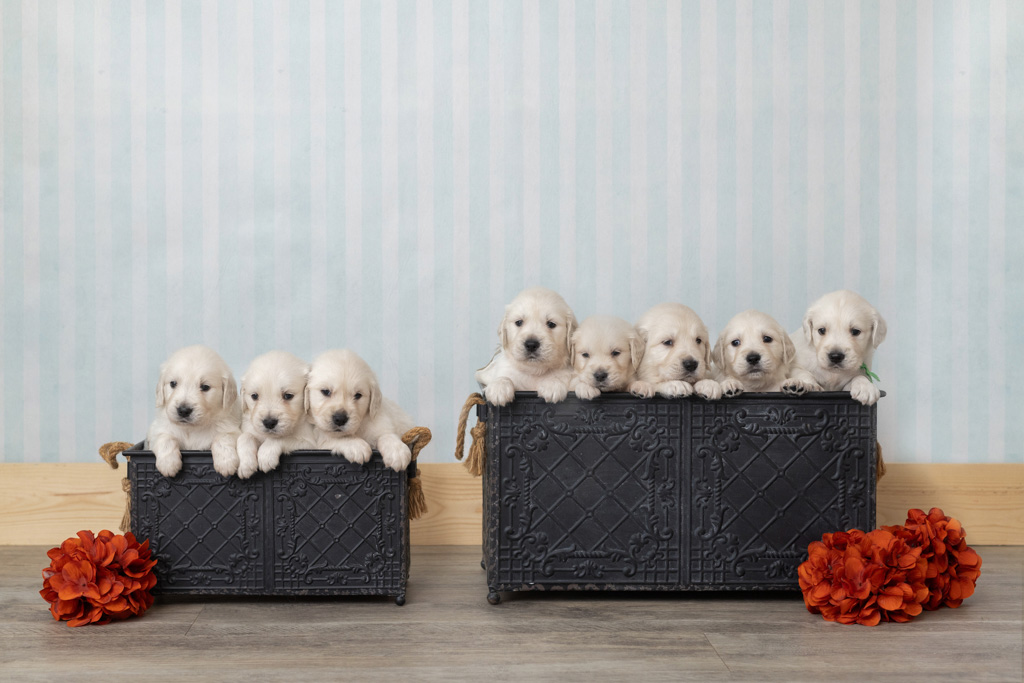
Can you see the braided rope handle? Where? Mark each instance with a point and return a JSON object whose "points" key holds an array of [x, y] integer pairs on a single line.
{"points": [[475, 460]]}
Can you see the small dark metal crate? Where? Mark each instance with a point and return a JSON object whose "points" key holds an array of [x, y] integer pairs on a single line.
{"points": [[316, 525], [628, 494]]}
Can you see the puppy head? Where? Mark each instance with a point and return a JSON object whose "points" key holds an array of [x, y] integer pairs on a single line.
{"points": [[754, 348], [342, 393], [274, 394], [606, 352], [195, 386], [676, 344], [844, 330], [536, 330]]}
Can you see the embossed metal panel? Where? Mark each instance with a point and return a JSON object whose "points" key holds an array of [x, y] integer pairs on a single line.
{"points": [[621, 493], [315, 525]]}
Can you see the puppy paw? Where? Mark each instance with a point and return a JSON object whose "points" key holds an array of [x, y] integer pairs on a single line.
{"points": [[500, 392], [354, 450], [168, 462], [708, 389], [225, 459], [553, 391], [642, 389], [394, 452], [268, 457], [586, 391], [247, 463], [732, 387], [865, 392], [677, 388], [796, 387]]}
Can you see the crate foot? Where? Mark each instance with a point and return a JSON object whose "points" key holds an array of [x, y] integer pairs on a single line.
{"points": [[482, 565], [400, 599], [493, 597]]}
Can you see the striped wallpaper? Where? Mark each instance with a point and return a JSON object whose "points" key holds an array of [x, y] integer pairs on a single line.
{"points": [[385, 175]]}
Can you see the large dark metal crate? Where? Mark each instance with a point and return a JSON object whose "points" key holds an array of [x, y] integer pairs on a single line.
{"points": [[316, 525], [621, 493]]}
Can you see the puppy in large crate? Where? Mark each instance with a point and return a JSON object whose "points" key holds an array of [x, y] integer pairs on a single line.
{"points": [[534, 353], [840, 333], [753, 353], [676, 356], [605, 352], [350, 416], [274, 406], [197, 409]]}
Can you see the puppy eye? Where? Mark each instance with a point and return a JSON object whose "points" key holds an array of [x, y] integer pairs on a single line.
{"points": [[585, 355], [668, 342], [255, 397], [766, 339], [519, 323], [358, 396], [204, 387], [821, 331], [855, 332], [288, 397], [552, 325], [325, 392], [735, 342], [173, 384], [699, 341], [616, 353]]}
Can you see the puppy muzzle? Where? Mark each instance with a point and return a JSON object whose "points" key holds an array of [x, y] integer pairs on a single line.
{"points": [[184, 413]]}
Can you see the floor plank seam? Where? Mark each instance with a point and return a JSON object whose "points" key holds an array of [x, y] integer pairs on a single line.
{"points": [[717, 653], [201, 610]]}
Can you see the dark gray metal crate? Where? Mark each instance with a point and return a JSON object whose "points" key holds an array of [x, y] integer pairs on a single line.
{"points": [[621, 493], [316, 525]]}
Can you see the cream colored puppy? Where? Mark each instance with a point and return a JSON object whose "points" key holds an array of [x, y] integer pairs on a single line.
{"points": [[534, 353], [197, 409], [754, 353], [605, 352], [273, 412], [677, 354], [350, 416], [840, 334]]}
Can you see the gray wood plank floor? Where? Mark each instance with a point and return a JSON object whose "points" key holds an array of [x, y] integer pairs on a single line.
{"points": [[447, 631]]}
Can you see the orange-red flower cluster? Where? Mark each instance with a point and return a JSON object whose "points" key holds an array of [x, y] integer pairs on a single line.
{"points": [[94, 579], [890, 574]]}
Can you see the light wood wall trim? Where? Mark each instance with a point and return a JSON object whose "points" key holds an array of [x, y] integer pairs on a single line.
{"points": [[44, 503]]}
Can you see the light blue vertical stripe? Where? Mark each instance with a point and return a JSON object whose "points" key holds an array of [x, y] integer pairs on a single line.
{"points": [[869, 149], [792, 310], [261, 279], [657, 159], [335, 185], [233, 286], [300, 228], [192, 183], [123, 384], [512, 24], [13, 277], [375, 291], [85, 230], [156, 128], [585, 299], [942, 227], [482, 329], [726, 184], [549, 145], [50, 339], [689, 260], [1014, 314], [408, 207], [763, 179], [620, 204], [835, 147], [977, 256]]}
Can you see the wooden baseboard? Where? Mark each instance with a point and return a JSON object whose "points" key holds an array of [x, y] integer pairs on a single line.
{"points": [[45, 503]]}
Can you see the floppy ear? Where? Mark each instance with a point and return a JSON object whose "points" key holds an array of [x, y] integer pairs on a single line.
{"points": [[305, 391], [503, 331], [241, 397], [375, 398], [788, 350], [572, 348], [718, 354], [570, 330], [809, 328], [636, 349], [878, 329], [305, 404], [707, 348], [160, 400], [230, 391]]}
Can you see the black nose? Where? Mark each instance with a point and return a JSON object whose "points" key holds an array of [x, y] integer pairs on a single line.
{"points": [[339, 419], [184, 410], [690, 365], [836, 357], [753, 358], [600, 375], [531, 345], [270, 422]]}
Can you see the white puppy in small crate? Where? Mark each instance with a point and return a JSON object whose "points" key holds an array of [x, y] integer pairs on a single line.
{"points": [[349, 414], [273, 412], [606, 352], [753, 353], [197, 409], [677, 354], [534, 353], [841, 331]]}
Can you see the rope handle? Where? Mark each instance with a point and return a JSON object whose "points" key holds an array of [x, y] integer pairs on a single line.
{"points": [[109, 452], [416, 438], [477, 456]]}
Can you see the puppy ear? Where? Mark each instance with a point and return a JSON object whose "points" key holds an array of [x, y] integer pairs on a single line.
{"points": [[305, 404], [305, 391], [570, 330], [707, 348], [809, 328], [572, 349], [241, 397], [375, 398], [788, 350], [637, 344], [718, 354], [160, 399], [230, 391], [503, 331], [878, 329]]}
